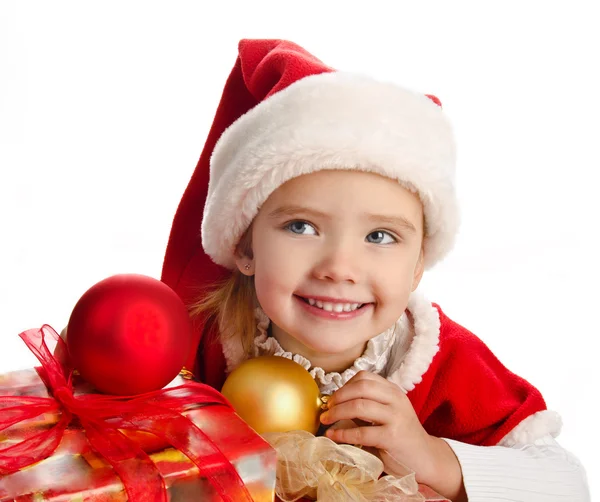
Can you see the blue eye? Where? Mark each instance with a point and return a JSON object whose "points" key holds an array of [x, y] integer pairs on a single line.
{"points": [[381, 237], [301, 228]]}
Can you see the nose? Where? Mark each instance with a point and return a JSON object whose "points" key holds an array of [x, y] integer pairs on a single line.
{"points": [[339, 262]]}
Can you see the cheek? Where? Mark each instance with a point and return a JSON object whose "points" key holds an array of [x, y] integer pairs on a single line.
{"points": [[275, 278], [274, 291], [394, 283], [274, 268], [277, 259], [266, 287]]}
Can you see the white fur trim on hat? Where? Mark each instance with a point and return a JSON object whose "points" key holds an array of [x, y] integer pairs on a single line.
{"points": [[332, 121]]}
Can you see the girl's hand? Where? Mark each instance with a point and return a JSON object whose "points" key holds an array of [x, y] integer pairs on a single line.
{"points": [[392, 427]]}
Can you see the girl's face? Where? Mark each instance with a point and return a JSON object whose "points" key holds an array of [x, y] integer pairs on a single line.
{"points": [[336, 255]]}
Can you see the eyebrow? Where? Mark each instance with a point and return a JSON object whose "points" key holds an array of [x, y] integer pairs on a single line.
{"points": [[295, 210], [292, 210], [398, 221]]}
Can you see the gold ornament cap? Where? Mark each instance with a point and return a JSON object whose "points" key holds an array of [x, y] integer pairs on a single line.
{"points": [[274, 394]]}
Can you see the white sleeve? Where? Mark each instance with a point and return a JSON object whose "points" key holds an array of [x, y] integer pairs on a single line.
{"points": [[539, 472]]}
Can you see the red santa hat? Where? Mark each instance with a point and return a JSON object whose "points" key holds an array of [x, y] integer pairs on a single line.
{"points": [[284, 113]]}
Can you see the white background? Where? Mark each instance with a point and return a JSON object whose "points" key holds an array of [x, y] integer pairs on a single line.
{"points": [[104, 108]]}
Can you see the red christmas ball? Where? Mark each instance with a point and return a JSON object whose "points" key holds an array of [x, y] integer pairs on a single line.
{"points": [[129, 334]]}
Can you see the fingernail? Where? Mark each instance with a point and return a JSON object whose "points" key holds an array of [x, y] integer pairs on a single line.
{"points": [[324, 417]]}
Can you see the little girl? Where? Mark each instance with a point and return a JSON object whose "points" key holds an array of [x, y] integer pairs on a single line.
{"points": [[319, 200]]}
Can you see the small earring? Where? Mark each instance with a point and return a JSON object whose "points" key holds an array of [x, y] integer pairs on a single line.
{"points": [[247, 266]]}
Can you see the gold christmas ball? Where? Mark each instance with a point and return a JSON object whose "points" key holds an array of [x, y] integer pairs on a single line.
{"points": [[274, 394]]}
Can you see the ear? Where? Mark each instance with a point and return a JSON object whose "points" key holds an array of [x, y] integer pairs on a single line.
{"points": [[243, 255], [419, 269], [244, 264]]}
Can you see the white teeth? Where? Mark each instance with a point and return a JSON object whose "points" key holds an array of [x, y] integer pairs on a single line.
{"points": [[334, 307]]}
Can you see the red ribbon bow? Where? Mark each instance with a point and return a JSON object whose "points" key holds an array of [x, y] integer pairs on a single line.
{"points": [[102, 416]]}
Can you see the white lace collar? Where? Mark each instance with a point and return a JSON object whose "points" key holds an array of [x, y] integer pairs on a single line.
{"points": [[416, 344], [374, 359]]}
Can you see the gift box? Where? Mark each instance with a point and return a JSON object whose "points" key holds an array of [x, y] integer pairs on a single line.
{"points": [[61, 442], [219, 456]]}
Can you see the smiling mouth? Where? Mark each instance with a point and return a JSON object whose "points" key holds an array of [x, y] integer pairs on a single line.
{"points": [[337, 307]]}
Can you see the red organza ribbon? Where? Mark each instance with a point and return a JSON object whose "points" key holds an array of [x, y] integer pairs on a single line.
{"points": [[102, 416]]}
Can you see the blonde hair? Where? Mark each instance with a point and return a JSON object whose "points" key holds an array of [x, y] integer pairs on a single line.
{"points": [[231, 303]]}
